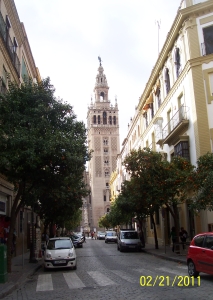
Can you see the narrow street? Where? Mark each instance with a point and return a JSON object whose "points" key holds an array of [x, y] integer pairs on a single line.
{"points": [[105, 273]]}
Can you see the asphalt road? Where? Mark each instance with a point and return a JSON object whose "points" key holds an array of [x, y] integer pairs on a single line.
{"points": [[105, 273]]}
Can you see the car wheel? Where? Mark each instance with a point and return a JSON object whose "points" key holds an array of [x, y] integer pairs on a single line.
{"points": [[192, 270], [121, 249]]}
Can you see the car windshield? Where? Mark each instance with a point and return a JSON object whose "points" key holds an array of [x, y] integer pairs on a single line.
{"points": [[59, 244], [110, 233], [129, 235]]}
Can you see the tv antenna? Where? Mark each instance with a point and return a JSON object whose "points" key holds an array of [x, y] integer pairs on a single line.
{"points": [[158, 23]]}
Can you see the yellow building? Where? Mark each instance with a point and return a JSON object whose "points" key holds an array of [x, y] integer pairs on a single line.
{"points": [[16, 61], [174, 115]]}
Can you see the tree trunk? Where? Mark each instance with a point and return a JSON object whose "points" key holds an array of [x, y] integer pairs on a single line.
{"points": [[155, 231]]}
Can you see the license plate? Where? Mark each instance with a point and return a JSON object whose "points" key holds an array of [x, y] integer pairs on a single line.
{"points": [[60, 261]]}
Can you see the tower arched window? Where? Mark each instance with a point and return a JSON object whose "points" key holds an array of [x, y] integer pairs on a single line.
{"points": [[94, 119], [110, 120], [104, 117], [114, 120], [102, 95], [99, 120]]}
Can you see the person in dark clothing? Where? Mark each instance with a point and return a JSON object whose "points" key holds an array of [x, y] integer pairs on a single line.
{"points": [[183, 235], [173, 237]]}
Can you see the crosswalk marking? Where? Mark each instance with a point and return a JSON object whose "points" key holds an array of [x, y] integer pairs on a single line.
{"points": [[73, 281], [144, 271], [166, 270], [100, 278], [125, 276], [44, 283]]}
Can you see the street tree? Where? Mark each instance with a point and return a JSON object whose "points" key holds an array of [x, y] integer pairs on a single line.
{"points": [[41, 144], [157, 183], [200, 183]]}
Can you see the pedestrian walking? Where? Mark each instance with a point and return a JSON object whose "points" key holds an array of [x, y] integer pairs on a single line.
{"points": [[183, 236]]}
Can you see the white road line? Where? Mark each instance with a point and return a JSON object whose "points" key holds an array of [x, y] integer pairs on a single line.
{"points": [[100, 278], [166, 270], [73, 281], [44, 283], [183, 267], [124, 276]]}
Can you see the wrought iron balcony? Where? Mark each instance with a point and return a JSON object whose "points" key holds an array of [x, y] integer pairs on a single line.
{"points": [[176, 126], [9, 45]]}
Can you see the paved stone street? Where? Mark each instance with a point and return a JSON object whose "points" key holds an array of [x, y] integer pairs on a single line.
{"points": [[105, 273]]}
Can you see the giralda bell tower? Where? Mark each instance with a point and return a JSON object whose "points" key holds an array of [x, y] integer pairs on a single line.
{"points": [[103, 139]]}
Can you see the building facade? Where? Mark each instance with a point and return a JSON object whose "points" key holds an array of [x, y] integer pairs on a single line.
{"points": [[16, 63], [174, 115], [103, 139]]}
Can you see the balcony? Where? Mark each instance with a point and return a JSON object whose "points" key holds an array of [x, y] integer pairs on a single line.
{"points": [[176, 126], [9, 45]]}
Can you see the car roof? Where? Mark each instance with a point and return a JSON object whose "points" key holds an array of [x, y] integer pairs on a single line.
{"points": [[59, 238], [204, 233]]}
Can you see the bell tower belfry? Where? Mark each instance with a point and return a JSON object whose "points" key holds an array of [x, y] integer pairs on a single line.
{"points": [[103, 139]]}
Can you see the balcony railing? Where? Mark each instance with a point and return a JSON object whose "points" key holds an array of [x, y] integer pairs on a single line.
{"points": [[9, 45], [176, 126], [206, 48]]}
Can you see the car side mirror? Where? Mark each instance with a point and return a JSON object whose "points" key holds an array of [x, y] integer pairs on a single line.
{"points": [[211, 248]]}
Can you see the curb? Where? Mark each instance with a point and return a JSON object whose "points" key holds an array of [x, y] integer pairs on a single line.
{"points": [[12, 287], [178, 260]]}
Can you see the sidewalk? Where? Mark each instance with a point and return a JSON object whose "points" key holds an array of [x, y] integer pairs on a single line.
{"points": [[166, 253], [19, 273]]}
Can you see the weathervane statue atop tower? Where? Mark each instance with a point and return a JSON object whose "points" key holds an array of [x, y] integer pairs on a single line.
{"points": [[99, 60]]}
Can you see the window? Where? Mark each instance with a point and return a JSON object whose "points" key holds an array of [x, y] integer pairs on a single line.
{"points": [[110, 120], [199, 241], [208, 39], [114, 120], [94, 119], [105, 150], [146, 119], [99, 120], [108, 212], [182, 149], [208, 242], [104, 117], [104, 197], [24, 72], [105, 142], [177, 61], [152, 110], [167, 80], [158, 94]]}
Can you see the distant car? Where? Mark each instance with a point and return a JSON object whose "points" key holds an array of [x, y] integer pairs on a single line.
{"points": [[111, 236], [100, 235], [77, 240], [200, 254], [129, 240], [60, 253]]}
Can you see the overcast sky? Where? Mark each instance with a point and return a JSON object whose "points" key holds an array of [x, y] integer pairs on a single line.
{"points": [[67, 36]]}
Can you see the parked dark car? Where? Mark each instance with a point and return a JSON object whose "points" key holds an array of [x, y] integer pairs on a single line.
{"points": [[77, 240], [200, 254]]}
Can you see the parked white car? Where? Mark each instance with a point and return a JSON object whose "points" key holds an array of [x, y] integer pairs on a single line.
{"points": [[129, 240], [111, 236], [60, 253], [100, 235]]}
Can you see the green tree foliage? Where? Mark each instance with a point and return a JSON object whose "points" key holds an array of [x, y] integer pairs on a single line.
{"points": [[200, 183], [154, 183], [104, 222], [42, 150]]}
